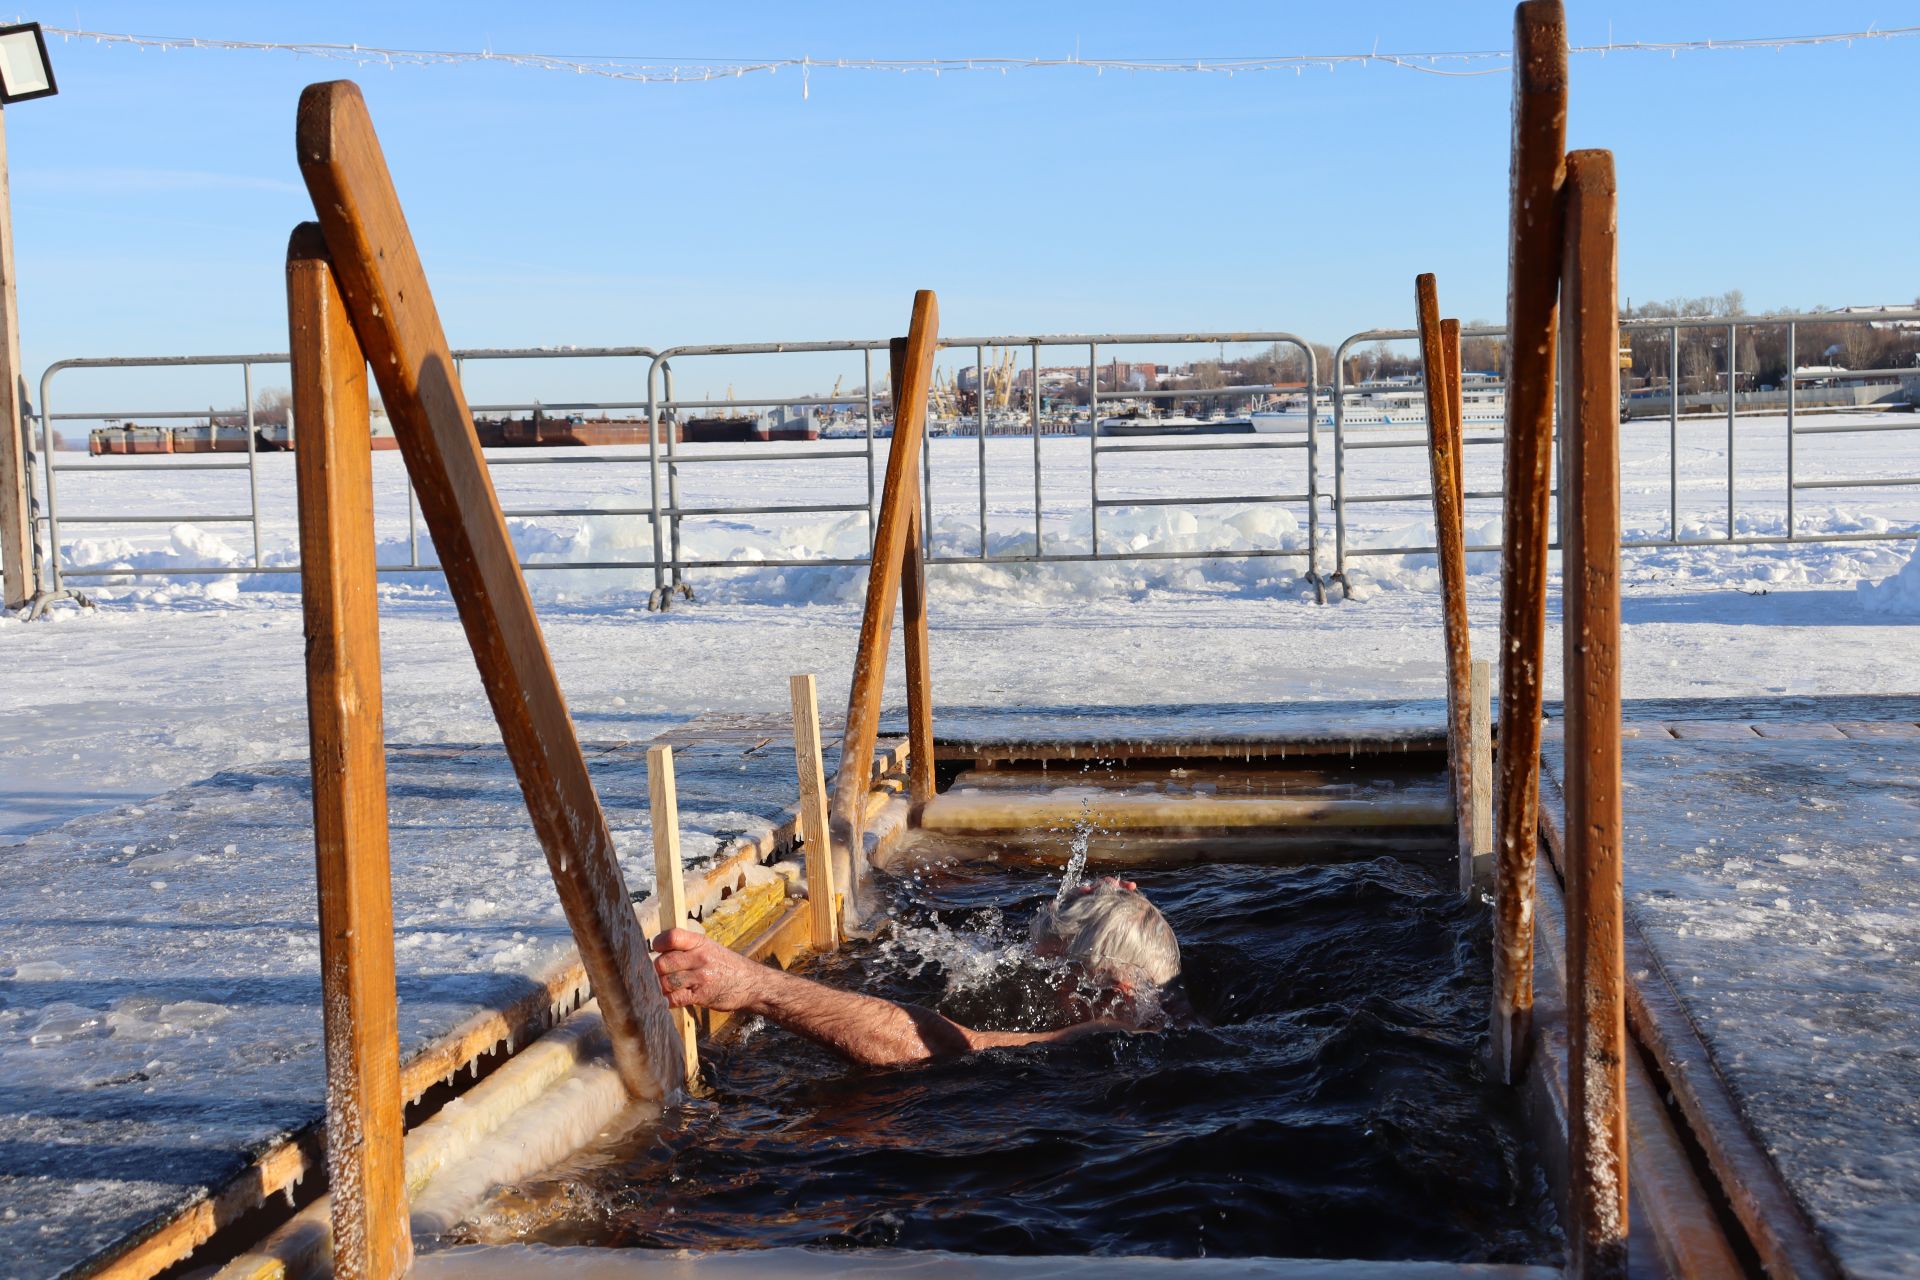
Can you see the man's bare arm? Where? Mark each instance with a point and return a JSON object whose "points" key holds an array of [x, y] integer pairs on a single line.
{"points": [[695, 970]]}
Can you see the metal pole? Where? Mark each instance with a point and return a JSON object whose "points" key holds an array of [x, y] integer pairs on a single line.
{"points": [[653, 483], [1793, 363], [1033, 417], [253, 460], [18, 572], [1673, 433], [871, 527], [1339, 469], [1093, 443], [1313, 480], [980, 417], [673, 470], [53, 503], [1732, 363]]}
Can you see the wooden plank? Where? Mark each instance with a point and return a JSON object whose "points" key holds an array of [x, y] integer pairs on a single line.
{"points": [[883, 583], [1476, 873], [334, 480], [1713, 731], [1001, 811], [392, 310], [17, 569], [670, 886], [1443, 458], [815, 832], [1533, 274], [1596, 1000], [913, 609], [1869, 729], [1799, 731]]}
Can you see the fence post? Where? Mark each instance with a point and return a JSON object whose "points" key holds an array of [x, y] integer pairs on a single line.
{"points": [[1439, 359], [816, 832], [897, 503], [334, 471], [1596, 1003], [391, 306], [1533, 264], [669, 884]]}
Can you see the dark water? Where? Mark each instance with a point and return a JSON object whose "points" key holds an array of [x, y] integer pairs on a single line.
{"points": [[1334, 1107]]}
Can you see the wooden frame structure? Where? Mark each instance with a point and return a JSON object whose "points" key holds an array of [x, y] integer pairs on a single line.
{"points": [[898, 565]]}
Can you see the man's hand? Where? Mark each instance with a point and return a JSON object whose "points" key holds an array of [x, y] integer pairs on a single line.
{"points": [[695, 970]]}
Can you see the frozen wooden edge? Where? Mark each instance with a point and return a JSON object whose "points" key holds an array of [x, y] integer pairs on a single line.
{"points": [[560, 990], [1776, 1225]]}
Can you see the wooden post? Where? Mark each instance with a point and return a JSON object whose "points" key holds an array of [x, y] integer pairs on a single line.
{"points": [[669, 884], [17, 569], [392, 310], [334, 472], [1450, 542], [1476, 874], [1533, 270], [1596, 977], [815, 830], [897, 503], [913, 609]]}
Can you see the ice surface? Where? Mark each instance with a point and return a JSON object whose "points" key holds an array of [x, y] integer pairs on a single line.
{"points": [[1777, 881]]}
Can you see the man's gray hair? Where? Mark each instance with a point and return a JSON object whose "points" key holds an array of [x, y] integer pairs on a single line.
{"points": [[1112, 929]]}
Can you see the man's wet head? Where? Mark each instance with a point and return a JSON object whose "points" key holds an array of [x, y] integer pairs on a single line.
{"points": [[1117, 938]]}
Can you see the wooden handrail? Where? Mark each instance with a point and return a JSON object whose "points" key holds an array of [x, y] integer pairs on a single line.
{"points": [[898, 504], [333, 470], [1442, 377], [1533, 268], [1596, 968], [391, 306], [913, 621], [816, 832]]}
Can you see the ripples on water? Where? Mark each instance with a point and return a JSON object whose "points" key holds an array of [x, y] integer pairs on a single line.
{"points": [[1334, 1107]]}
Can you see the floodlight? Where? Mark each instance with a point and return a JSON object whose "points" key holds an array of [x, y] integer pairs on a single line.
{"points": [[24, 70]]}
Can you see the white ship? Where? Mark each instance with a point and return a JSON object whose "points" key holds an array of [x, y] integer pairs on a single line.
{"points": [[1387, 405]]}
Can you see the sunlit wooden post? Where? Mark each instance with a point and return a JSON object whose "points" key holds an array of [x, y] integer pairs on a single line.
{"points": [[1596, 1003], [816, 832], [1533, 269], [897, 503], [913, 610], [1449, 522], [1477, 874], [333, 468], [393, 314], [669, 882]]}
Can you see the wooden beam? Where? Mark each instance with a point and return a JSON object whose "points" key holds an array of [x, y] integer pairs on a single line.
{"points": [[1596, 976], [670, 885], [1476, 874], [1441, 370], [1533, 279], [913, 609], [1005, 811], [333, 470], [897, 503], [815, 831], [392, 309]]}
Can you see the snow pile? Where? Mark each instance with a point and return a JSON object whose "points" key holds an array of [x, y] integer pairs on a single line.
{"points": [[1894, 597]]}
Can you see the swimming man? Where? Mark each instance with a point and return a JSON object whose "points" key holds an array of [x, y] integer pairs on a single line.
{"points": [[1112, 937]]}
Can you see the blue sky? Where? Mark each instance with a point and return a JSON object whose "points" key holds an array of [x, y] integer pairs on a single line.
{"points": [[153, 196]]}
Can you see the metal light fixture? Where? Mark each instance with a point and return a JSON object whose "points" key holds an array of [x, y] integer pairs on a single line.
{"points": [[24, 70]]}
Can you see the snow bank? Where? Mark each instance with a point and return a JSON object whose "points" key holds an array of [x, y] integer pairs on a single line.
{"points": [[1894, 597]]}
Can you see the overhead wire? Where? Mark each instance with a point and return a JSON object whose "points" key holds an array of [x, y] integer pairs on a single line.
{"points": [[685, 70]]}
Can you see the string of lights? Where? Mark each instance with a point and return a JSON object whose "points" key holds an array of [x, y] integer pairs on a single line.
{"points": [[667, 70]]}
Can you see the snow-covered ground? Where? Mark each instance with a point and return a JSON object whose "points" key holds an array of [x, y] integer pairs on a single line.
{"points": [[177, 677]]}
